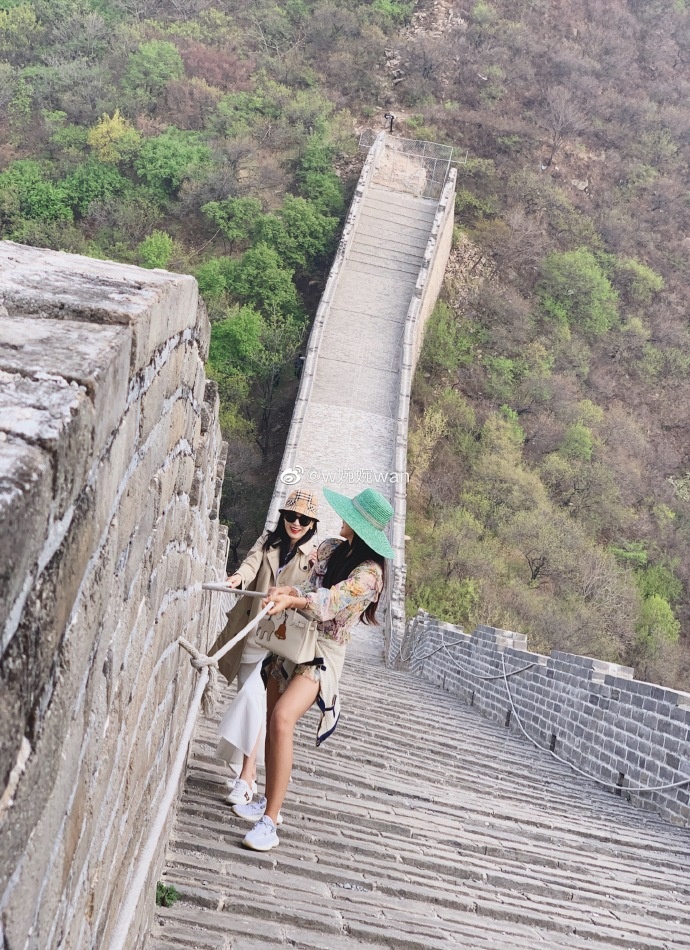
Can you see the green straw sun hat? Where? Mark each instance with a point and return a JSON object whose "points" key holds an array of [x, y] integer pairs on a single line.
{"points": [[367, 514]]}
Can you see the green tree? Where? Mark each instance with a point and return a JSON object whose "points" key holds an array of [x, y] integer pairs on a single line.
{"points": [[299, 232], [19, 32], [576, 290], [448, 342], [451, 600], [578, 443], [659, 580], [114, 139], [156, 250], [236, 340], [640, 281], [149, 69], [657, 623], [317, 181], [212, 277], [93, 181], [257, 345], [166, 161], [395, 11], [26, 192], [258, 278], [236, 217]]}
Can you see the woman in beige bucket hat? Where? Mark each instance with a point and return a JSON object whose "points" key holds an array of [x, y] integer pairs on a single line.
{"points": [[283, 555], [343, 588]]}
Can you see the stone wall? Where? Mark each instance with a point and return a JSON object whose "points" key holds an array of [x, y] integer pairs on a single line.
{"points": [[590, 713], [427, 290], [110, 471]]}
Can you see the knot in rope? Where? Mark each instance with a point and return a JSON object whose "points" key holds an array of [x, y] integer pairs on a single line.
{"points": [[198, 660], [209, 664]]}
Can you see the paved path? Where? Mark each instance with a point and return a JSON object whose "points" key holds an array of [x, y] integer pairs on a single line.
{"points": [[421, 825], [350, 424]]}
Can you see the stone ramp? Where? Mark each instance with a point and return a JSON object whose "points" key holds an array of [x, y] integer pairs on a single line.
{"points": [[421, 825], [349, 429]]}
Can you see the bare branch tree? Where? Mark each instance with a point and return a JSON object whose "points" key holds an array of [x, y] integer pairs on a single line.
{"points": [[564, 117]]}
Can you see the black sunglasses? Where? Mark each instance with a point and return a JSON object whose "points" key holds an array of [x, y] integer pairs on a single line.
{"points": [[292, 516]]}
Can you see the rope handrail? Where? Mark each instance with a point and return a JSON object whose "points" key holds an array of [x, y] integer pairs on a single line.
{"points": [[201, 661], [204, 696], [599, 781]]}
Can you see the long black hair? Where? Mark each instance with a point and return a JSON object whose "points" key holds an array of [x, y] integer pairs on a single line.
{"points": [[342, 562], [280, 536]]}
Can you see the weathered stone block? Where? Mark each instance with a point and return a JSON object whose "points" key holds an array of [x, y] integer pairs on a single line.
{"points": [[95, 357], [25, 505], [27, 662], [57, 417], [51, 285]]}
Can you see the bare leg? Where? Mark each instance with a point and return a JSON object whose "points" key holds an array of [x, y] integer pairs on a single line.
{"points": [[290, 707], [248, 772], [272, 697]]}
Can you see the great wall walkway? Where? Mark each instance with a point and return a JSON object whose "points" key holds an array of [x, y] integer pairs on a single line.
{"points": [[421, 825], [349, 426], [350, 422]]}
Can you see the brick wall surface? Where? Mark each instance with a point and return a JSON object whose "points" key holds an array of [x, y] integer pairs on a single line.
{"points": [[594, 715], [110, 469]]}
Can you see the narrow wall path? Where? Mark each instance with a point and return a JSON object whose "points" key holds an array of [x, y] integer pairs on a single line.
{"points": [[420, 824], [347, 439]]}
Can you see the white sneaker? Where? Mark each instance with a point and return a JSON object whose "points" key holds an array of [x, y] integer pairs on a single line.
{"points": [[252, 811], [263, 835], [241, 793]]}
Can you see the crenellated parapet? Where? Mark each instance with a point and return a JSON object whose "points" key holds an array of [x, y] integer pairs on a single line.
{"points": [[633, 737]]}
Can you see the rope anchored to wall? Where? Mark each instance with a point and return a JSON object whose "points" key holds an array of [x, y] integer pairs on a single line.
{"points": [[200, 661], [599, 781], [205, 695]]}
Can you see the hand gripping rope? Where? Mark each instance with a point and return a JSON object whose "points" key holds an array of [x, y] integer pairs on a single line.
{"points": [[205, 696], [202, 662]]}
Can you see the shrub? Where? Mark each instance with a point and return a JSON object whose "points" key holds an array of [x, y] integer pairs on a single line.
{"points": [[26, 192], [93, 181], [237, 218], [299, 232], [259, 278], [114, 139], [574, 288], [166, 161], [156, 250], [149, 69]]}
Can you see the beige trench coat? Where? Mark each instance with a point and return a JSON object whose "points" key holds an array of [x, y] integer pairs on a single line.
{"points": [[258, 571]]}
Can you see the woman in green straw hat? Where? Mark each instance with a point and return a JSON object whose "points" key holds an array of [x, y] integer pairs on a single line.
{"points": [[343, 588]]}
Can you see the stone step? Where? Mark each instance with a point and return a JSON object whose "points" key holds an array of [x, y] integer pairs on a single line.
{"points": [[382, 197], [471, 838]]}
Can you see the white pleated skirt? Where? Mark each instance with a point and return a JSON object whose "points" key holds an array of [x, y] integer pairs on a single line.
{"points": [[244, 719]]}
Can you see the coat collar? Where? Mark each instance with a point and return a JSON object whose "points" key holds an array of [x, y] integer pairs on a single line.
{"points": [[273, 553], [307, 547]]}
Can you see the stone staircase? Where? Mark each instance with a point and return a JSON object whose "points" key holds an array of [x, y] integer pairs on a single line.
{"points": [[350, 424], [421, 825]]}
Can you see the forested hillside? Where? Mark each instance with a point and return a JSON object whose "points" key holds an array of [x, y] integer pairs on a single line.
{"points": [[212, 138], [549, 453]]}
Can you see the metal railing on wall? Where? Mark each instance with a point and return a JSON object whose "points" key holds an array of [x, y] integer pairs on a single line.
{"points": [[409, 165]]}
